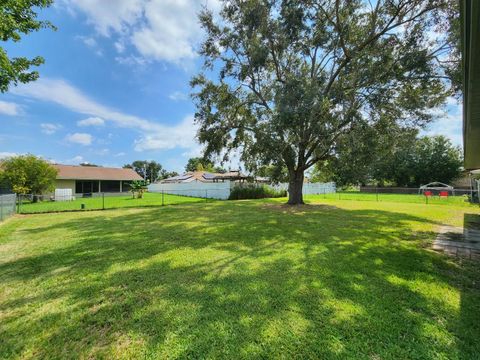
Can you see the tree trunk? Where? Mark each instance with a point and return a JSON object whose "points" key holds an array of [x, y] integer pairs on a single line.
{"points": [[295, 188]]}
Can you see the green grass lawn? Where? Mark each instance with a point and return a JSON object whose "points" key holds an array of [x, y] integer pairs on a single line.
{"points": [[246, 279], [155, 199], [110, 201], [384, 197]]}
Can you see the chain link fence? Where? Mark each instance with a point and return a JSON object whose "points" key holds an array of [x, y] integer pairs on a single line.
{"points": [[33, 204], [7, 206], [405, 195]]}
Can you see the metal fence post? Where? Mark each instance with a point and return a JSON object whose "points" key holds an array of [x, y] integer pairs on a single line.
{"points": [[376, 192], [163, 197], [206, 195], [103, 201], [1, 208]]}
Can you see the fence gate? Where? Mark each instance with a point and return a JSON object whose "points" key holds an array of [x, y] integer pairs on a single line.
{"points": [[7, 205]]}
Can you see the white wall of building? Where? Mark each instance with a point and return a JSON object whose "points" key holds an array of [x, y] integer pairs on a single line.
{"points": [[217, 190], [221, 190], [311, 188]]}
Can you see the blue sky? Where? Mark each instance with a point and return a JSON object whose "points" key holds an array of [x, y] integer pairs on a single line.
{"points": [[114, 86]]}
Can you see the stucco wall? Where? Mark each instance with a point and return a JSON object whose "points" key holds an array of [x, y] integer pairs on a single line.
{"points": [[65, 184]]}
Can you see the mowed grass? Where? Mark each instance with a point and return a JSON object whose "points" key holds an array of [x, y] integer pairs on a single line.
{"points": [[109, 201], [384, 197], [113, 201], [246, 279]]}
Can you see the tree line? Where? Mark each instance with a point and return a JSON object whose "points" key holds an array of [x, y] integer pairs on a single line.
{"points": [[407, 161]]}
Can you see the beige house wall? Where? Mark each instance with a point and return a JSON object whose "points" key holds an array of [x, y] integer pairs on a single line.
{"points": [[65, 184]]}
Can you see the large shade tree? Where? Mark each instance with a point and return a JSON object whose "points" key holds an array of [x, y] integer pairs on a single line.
{"points": [[295, 77], [17, 18]]}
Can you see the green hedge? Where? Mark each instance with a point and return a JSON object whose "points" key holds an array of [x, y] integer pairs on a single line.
{"points": [[251, 191]]}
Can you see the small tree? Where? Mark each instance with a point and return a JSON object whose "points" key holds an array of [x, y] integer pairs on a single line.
{"points": [[138, 187], [295, 77], [16, 18], [28, 174]]}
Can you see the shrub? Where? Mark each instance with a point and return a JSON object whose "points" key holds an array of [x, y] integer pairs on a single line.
{"points": [[28, 174], [252, 191]]}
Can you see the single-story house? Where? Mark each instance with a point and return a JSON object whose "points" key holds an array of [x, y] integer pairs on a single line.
{"points": [[94, 179], [206, 177]]}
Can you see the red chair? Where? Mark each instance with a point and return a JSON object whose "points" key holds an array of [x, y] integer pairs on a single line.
{"points": [[444, 194], [428, 193]]}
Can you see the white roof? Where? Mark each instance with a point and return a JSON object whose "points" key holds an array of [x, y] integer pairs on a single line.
{"points": [[436, 185]]}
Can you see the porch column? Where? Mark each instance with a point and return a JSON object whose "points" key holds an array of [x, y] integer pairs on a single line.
{"points": [[121, 185]]}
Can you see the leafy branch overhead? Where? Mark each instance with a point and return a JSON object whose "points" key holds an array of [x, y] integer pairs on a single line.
{"points": [[295, 77], [17, 18]]}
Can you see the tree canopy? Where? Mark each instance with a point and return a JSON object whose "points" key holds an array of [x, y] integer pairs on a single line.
{"points": [[28, 174], [297, 77], [405, 161], [151, 171], [17, 18], [202, 164]]}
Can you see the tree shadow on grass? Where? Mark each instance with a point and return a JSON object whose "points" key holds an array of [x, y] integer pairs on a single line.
{"points": [[238, 280]]}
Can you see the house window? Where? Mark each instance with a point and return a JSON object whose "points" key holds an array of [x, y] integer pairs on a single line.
{"points": [[110, 186], [86, 186]]}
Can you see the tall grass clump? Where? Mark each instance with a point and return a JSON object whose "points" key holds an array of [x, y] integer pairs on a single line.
{"points": [[253, 191]]}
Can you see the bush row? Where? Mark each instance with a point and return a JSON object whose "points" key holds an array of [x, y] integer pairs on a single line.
{"points": [[251, 191]]}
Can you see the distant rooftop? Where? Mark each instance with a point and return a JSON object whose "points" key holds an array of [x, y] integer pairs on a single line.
{"points": [[204, 176]]}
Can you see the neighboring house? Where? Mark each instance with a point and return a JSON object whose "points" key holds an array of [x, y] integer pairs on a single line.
{"points": [[205, 177], [94, 179]]}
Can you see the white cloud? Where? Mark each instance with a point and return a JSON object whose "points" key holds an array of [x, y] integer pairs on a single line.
{"points": [[91, 121], [74, 161], [154, 136], [181, 135], [49, 129], [9, 108], [448, 123], [159, 29], [120, 154], [80, 138], [6, 154], [120, 46], [102, 152], [91, 43], [131, 60], [178, 96]]}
